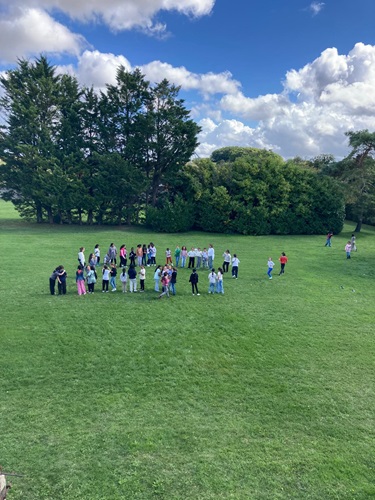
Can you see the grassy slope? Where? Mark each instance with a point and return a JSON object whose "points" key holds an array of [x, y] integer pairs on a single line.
{"points": [[265, 392]]}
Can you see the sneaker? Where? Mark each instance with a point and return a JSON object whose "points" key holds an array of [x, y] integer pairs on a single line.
{"points": [[270, 277], [193, 293], [102, 291], [198, 293], [114, 289]]}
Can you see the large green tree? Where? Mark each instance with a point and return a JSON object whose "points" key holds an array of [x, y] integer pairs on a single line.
{"points": [[357, 174]]}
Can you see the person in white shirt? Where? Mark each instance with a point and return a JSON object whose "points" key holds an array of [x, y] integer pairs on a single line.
{"points": [[198, 254], [219, 282], [81, 256], [211, 256], [235, 262], [227, 258], [191, 255], [212, 281], [270, 267]]}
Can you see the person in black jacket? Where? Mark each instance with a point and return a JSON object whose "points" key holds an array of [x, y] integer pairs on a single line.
{"points": [[194, 278]]}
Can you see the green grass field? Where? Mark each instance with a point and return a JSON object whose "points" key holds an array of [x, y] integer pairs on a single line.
{"points": [[266, 392]]}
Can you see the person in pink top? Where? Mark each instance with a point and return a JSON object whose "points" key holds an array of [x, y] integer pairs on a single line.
{"points": [[165, 284], [123, 256]]}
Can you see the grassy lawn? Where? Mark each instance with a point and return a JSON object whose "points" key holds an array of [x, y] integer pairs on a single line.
{"points": [[265, 392]]}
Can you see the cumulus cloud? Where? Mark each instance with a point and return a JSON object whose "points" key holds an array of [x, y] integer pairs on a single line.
{"points": [[206, 83], [318, 104], [316, 7], [27, 31], [120, 14]]}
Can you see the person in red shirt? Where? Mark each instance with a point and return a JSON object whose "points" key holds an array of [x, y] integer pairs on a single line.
{"points": [[283, 260]]}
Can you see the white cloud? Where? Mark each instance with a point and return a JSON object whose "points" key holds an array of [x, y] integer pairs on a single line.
{"points": [[98, 69], [316, 7], [28, 31], [334, 94], [206, 83], [119, 14]]}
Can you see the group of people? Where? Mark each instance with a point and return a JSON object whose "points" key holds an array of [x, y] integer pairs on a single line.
{"points": [[141, 257], [351, 245]]}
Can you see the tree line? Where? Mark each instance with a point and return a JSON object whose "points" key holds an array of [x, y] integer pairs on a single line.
{"points": [[123, 155]]}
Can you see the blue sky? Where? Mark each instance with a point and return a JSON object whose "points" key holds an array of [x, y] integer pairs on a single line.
{"points": [[291, 76]]}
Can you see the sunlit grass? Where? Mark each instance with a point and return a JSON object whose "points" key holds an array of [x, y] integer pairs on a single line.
{"points": [[265, 392]]}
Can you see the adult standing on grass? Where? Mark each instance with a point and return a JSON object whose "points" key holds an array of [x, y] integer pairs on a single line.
{"points": [[271, 265], [81, 256], [283, 260], [61, 284], [194, 278], [112, 252], [211, 255], [235, 262], [328, 240], [353, 243], [52, 279]]}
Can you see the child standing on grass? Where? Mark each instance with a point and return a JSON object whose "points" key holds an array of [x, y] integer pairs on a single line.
{"points": [[168, 256], [132, 273], [142, 277], [113, 273], [219, 282], [165, 284], [105, 278], [124, 279], [227, 258], [173, 280], [97, 254], [184, 253], [194, 278], [212, 281], [235, 262], [157, 275], [91, 279], [80, 280], [177, 254], [348, 249], [123, 256], [270, 267], [283, 260]]}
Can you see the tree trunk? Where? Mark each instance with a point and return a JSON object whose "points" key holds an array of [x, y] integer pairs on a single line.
{"points": [[50, 215], [90, 217], [358, 226], [39, 214]]}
